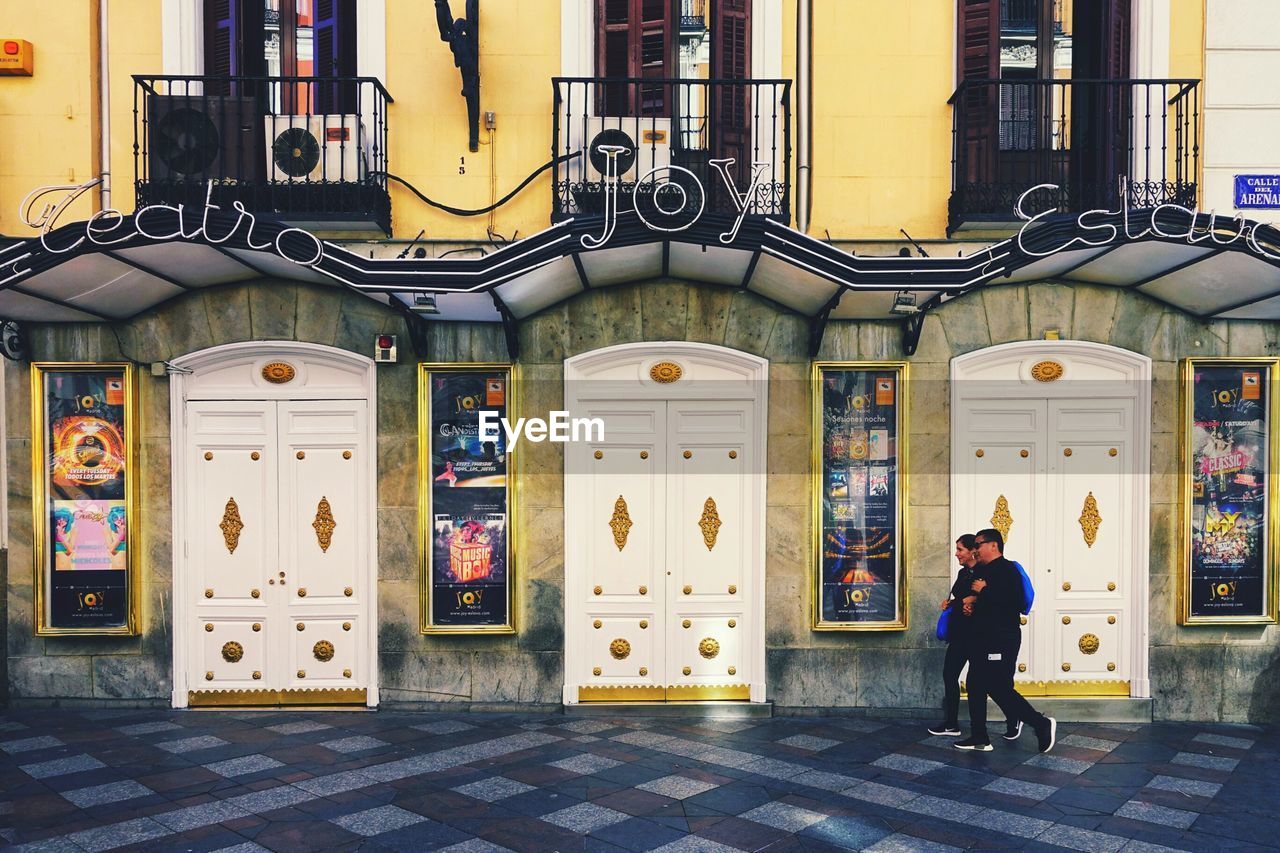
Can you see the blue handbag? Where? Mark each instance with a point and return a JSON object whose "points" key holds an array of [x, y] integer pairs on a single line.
{"points": [[944, 626], [1028, 591]]}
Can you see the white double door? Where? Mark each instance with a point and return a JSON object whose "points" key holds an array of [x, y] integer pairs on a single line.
{"points": [[1060, 476], [276, 545], [662, 520]]}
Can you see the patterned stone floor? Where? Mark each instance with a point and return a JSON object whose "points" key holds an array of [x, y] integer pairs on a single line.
{"points": [[102, 780]]}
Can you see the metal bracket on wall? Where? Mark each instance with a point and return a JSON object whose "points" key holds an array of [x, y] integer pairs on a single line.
{"points": [[416, 326], [510, 326], [913, 324], [818, 324]]}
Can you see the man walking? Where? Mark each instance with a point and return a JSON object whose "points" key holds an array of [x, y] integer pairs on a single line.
{"points": [[993, 646]]}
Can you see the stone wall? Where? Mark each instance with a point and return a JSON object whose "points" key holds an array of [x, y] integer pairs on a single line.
{"points": [[1197, 673]]}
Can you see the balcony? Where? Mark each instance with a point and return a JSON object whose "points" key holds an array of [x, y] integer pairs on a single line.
{"points": [[310, 151], [666, 123], [1095, 140]]}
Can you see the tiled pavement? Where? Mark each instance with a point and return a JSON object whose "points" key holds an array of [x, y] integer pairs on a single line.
{"points": [[102, 780]]}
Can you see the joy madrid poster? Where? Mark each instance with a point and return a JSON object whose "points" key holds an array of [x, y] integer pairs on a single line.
{"points": [[859, 431], [82, 497], [466, 488], [1228, 446]]}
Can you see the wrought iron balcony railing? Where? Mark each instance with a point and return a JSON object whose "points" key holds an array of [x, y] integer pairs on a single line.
{"points": [[667, 123], [1095, 140], [307, 149]]}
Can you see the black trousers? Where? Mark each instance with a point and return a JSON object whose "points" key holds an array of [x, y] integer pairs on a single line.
{"points": [[991, 665], [957, 657]]}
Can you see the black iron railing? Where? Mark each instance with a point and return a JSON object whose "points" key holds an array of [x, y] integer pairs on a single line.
{"points": [[297, 148], [1096, 140], [665, 123]]}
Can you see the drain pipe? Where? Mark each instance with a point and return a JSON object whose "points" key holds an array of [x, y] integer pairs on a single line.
{"points": [[104, 107], [804, 111]]}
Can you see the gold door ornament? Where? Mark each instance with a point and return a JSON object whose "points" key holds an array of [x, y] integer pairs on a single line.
{"points": [[231, 525], [666, 372], [620, 523], [232, 652], [710, 523], [324, 524], [278, 372], [1090, 519], [1089, 644], [323, 651], [1001, 519], [709, 647], [1047, 371], [620, 649]]}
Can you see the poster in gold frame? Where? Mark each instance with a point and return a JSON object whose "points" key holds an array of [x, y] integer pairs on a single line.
{"points": [[84, 494], [466, 500], [859, 490], [1229, 442]]}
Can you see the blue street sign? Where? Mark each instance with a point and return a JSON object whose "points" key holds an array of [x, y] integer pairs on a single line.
{"points": [[1261, 191]]}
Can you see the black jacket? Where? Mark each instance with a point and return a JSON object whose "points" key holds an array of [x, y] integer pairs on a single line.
{"points": [[995, 613], [961, 625]]}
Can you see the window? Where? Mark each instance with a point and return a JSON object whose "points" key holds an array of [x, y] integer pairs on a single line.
{"points": [[285, 38]]}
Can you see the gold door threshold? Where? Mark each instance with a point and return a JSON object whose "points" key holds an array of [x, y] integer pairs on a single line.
{"points": [[294, 697], [672, 693], [1069, 689]]}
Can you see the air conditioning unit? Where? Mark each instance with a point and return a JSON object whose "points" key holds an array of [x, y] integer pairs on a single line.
{"points": [[315, 148], [201, 138], [648, 141]]}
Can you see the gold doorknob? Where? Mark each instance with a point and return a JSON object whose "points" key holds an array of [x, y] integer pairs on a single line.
{"points": [[302, 673], [644, 623], [979, 453], [1024, 453], [733, 623], [208, 676], [644, 454], [346, 626], [208, 593], [257, 676], [257, 626], [597, 590], [302, 626], [1111, 587], [1111, 620], [346, 673], [1022, 620], [208, 626], [597, 624], [733, 670], [599, 454], [346, 454], [302, 592], [733, 454], [1066, 620], [688, 454], [1066, 667], [688, 590], [1066, 451], [207, 456], [256, 593], [686, 624], [1022, 667], [302, 455], [255, 456], [1066, 586], [644, 590], [733, 590], [644, 670], [271, 581], [1112, 452], [348, 592], [595, 670], [1111, 667], [687, 670]]}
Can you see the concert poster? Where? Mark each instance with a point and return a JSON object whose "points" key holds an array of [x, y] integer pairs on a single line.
{"points": [[859, 458], [466, 499], [1228, 444], [82, 496]]}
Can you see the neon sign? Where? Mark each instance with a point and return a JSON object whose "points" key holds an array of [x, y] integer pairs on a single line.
{"points": [[1170, 221], [674, 191]]}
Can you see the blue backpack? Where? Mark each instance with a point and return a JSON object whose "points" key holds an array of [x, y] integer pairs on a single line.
{"points": [[1028, 591]]}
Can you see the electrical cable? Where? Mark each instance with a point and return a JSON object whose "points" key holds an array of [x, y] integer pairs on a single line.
{"points": [[480, 211]]}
